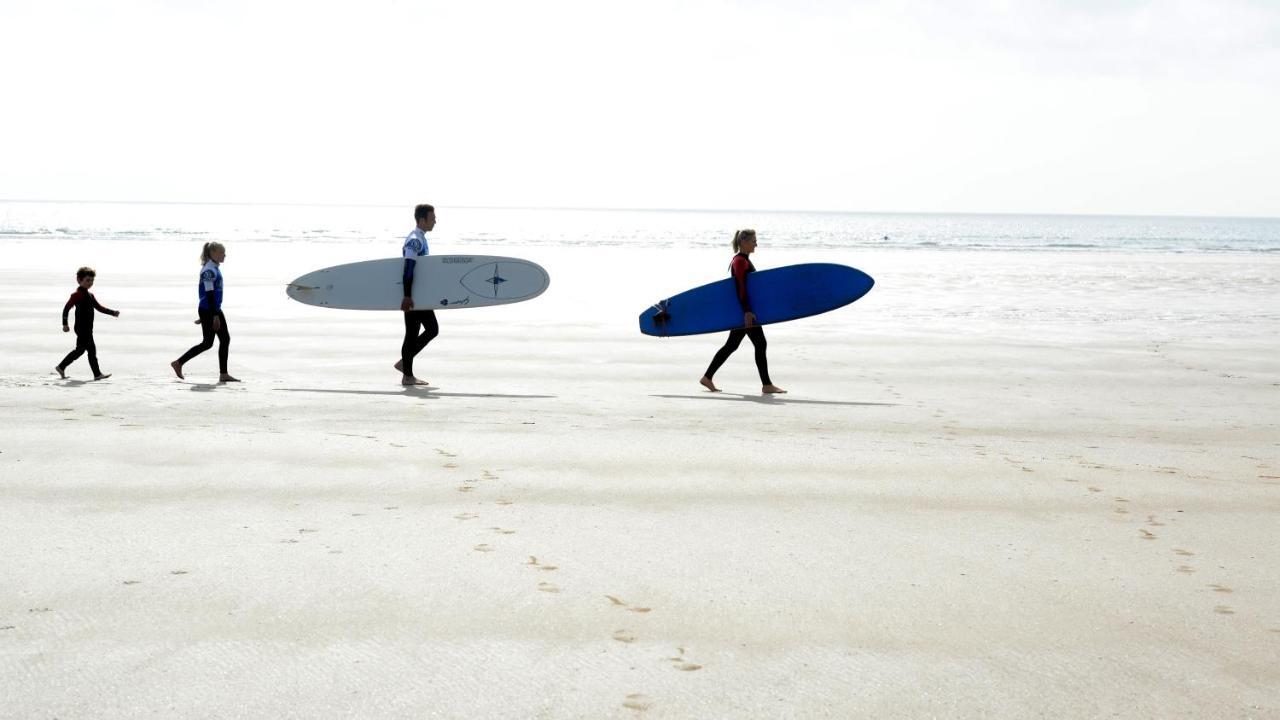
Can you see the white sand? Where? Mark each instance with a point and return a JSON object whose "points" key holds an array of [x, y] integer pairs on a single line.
{"points": [[1002, 485]]}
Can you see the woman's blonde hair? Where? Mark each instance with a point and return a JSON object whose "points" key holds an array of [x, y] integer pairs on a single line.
{"points": [[741, 235], [207, 254]]}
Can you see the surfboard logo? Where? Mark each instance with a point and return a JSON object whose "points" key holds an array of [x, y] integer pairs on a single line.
{"points": [[455, 259], [446, 302], [496, 280]]}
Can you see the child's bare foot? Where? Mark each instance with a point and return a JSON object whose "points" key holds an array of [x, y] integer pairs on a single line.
{"points": [[411, 380], [103, 376], [61, 373], [771, 389], [224, 377], [706, 383], [177, 369]]}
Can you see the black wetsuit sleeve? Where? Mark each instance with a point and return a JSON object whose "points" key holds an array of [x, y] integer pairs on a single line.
{"points": [[409, 264], [66, 309], [740, 267], [99, 307]]}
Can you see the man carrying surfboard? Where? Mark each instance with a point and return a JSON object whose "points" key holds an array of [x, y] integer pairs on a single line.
{"points": [[415, 246], [744, 243]]}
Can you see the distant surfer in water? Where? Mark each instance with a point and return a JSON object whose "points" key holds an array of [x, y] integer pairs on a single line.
{"points": [[744, 243], [212, 322], [415, 246]]}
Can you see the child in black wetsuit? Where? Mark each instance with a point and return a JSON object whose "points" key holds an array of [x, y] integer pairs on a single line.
{"points": [[85, 304]]}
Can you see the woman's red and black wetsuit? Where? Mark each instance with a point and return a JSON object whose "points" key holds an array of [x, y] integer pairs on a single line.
{"points": [[740, 268]]}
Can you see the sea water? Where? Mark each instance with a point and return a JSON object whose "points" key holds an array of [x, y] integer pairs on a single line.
{"points": [[384, 225]]}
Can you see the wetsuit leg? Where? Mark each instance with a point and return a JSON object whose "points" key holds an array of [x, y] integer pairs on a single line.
{"points": [[224, 343], [91, 348], [762, 363], [413, 341], [731, 344], [73, 355], [206, 326]]}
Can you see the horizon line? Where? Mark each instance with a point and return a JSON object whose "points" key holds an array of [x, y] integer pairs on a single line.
{"points": [[233, 203]]}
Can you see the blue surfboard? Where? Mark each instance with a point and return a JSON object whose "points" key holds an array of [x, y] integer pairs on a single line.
{"points": [[777, 295]]}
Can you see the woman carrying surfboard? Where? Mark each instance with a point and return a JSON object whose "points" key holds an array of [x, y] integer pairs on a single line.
{"points": [[744, 243]]}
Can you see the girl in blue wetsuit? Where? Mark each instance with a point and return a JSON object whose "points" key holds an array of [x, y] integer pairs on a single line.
{"points": [[744, 243], [212, 322]]}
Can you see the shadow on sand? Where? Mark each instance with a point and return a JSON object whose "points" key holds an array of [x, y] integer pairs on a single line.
{"points": [[769, 399], [418, 392]]}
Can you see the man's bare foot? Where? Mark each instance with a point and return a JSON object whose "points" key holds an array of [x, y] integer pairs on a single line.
{"points": [[224, 377], [411, 380], [771, 389], [61, 373], [103, 376], [706, 383], [399, 366], [177, 369]]}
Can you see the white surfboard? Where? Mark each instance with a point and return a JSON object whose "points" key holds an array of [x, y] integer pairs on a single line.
{"points": [[440, 282]]}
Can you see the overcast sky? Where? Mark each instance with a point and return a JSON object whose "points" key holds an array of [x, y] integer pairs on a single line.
{"points": [[1079, 106]]}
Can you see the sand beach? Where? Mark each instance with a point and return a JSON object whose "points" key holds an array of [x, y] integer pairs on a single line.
{"points": [[1001, 485]]}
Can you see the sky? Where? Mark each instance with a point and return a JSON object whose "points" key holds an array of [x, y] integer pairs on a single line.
{"points": [[1088, 106]]}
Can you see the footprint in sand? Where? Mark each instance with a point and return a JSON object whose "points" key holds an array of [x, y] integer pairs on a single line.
{"points": [[624, 636], [637, 702], [286, 541], [11, 627], [39, 610], [548, 587], [618, 602], [1224, 610], [1221, 589], [485, 474], [132, 582], [391, 507], [503, 501], [483, 547], [680, 663], [1186, 569], [307, 530], [1094, 489], [1153, 522], [1147, 535], [533, 562], [1183, 553], [503, 531], [465, 488], [1120, 511], [184, 572], [445, 453], [466, 516]]}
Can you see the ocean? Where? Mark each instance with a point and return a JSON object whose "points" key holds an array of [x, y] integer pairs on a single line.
{"points": [[23, 221]]}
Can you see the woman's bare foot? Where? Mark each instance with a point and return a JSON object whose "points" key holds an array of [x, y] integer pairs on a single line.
{"points": [[771, 389], [103, 376], [706, 383], [61, 373], [399, 366], [411, 380], [177, 369], [224, 377]]}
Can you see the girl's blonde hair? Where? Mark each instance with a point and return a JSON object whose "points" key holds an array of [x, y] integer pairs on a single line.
{"points": [[207, 254], [738, 237]]}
